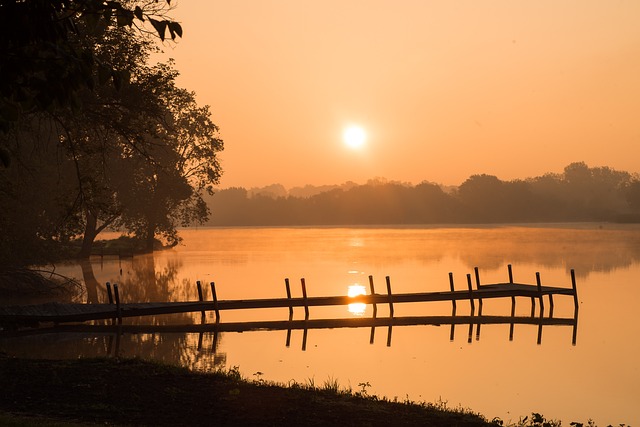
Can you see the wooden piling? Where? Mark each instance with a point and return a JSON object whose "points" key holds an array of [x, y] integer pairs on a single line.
{"points": [[373, 292], [304, 298], [513, 299], [471, 302], [453, 302], [214, 297], [288, 288], [513, 303], [374, 309], [109, 294], [203, 315], [477, 273], [390, 296], [539, 284], [479, 324], [575, 292], [117, 297]]}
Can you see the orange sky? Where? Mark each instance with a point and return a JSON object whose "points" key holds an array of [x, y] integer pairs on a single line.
{"points": [[444, 89]]}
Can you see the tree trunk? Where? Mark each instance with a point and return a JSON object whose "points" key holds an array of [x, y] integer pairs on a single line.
{"points": [[90, 282], [150, 237], [90, 233]]}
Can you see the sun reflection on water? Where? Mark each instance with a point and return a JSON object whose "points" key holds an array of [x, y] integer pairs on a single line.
{"points": [[356, 308]]}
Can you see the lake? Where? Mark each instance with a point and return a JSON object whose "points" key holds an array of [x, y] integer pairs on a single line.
{"points": [[497, 371]]}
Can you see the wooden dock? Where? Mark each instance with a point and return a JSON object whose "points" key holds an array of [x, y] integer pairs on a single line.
{"points": [[33, 316]]}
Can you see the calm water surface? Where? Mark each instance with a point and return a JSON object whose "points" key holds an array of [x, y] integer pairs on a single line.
{"points": [[598, 377]]}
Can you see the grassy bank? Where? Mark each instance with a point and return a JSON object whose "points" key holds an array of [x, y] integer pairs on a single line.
{"points": [[134, 392]]}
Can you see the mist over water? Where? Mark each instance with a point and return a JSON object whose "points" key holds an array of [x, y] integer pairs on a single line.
{"points": [[597, 378]]}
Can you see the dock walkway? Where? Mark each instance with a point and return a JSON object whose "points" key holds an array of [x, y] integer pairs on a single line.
{"points": [[12, 317]]}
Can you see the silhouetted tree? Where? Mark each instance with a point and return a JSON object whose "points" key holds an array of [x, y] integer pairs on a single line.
{"points": [[580, 194], [112, 148]]}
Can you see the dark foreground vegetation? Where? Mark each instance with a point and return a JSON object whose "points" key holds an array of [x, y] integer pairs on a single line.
{"points": [[126, 392], [132, 392]]}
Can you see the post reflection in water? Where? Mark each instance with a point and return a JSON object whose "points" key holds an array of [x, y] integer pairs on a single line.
{"points": [[425, 361]]}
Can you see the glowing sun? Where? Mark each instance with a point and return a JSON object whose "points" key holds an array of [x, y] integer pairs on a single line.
{"points": [[354, 137]]}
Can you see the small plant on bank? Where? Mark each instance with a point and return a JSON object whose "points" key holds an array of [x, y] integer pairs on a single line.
{"points": [[259, 378], [234, 373], [363, 389]]}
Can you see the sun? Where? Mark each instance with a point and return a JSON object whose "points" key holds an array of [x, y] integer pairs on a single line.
{"points": [[354, 137]]}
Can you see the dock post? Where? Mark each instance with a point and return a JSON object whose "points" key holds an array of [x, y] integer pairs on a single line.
{"points": [[389, 296], [203, 315], [475, 269], [373, 292], [513, 299], [214, 296], [453, 309], [109, 294], [473, 308], [288, 288], [375, 309], [575, 292], [539, 284], [453, 301], [513, 304], [473, 304], [304, 298], [117, 295]]}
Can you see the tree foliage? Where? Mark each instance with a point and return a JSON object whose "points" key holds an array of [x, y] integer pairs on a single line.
{"points": [[44, 65]]}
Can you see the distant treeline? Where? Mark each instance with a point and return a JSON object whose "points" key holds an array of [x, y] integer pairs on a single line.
{"points": [[580, 193]]}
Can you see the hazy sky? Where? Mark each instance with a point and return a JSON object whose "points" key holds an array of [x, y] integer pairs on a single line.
{"points": [[443, 89]]}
